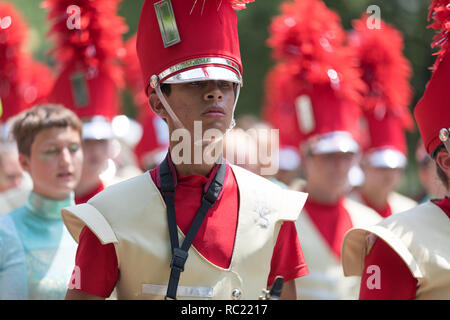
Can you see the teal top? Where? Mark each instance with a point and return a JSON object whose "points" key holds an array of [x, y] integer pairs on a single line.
{"points": [[37, 254]]}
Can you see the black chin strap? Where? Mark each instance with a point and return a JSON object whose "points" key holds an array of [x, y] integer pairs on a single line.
{"points": [[209, 198]]}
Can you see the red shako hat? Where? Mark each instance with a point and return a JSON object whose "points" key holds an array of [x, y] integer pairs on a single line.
{"points": [[432, 112], [88, 46], [320, 84], [189, 40], [386, 72]]}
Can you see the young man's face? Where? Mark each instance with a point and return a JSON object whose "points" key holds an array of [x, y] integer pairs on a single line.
{"points": [[55, 162], [329, 172], [210, 102]]}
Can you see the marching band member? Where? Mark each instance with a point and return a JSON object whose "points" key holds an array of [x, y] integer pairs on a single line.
{"points": [[406, 255], [386, 72], [236, 228], [318, 91], [89, 80]]}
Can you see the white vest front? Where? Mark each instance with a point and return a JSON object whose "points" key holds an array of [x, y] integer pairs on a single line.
{"points": [[420, 236], [132, 215], [400, 203], [326, 280]]}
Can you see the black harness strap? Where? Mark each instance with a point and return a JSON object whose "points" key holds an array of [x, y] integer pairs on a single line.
{"points": [[180, 254]]}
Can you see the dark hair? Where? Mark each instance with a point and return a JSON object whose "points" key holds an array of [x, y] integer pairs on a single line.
{"points": [[441, 174], [27, 124], [165, 88]]}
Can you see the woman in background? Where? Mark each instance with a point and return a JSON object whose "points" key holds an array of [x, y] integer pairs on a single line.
{"points": [[36, 251]]}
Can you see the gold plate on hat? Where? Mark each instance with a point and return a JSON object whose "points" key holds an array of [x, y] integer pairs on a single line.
{"points": [[305, 112], [167, 23], [79, 89]]}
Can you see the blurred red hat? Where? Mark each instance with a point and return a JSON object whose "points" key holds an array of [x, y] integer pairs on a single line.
{"points": [[277, 109], [317, 73], [183, 41], [23, 82], [386, 72], [154, 143], [155, 136], [432, 112], [88, 46]]}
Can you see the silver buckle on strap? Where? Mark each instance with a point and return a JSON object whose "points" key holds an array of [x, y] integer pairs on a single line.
{"points": [[444, 136]]}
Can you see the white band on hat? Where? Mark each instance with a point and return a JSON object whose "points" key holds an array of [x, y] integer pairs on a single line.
{"points": [[97, 128], [204, 73], [356, 176], [387, 158], [127, 129], [336, 141], [289, 159], [200, 63]]}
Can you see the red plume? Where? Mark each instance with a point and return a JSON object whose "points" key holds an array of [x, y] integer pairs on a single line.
{"points": [[40, 84], [440, 12], [23, 81], [304, 28], [13, 35], [385, 69], [309, 42], [88, 33], [310, 36]]}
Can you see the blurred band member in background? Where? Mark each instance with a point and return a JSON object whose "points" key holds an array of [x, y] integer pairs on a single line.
{"points": [[406, 256]]}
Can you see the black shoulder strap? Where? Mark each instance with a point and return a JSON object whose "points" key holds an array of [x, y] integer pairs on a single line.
{"points": [[180, 254], [168, 193]]}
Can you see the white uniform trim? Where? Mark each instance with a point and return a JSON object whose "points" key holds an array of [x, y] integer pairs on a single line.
{"points": [[357, 247], [419, 236], [182, 291], [86, 214]]}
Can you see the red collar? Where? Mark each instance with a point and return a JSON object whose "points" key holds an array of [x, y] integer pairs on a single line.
{"points": [[444, 204], [83, 199], [385, 212], [191, 180]]}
